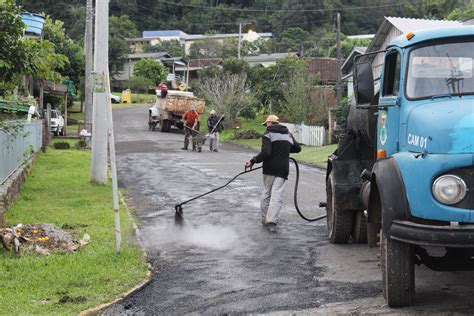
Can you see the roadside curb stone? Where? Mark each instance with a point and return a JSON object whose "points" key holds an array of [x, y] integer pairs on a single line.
{"points": [[10, 190]]}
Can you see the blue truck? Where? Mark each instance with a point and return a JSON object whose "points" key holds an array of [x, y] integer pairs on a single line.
{"points": [[402, 176]]}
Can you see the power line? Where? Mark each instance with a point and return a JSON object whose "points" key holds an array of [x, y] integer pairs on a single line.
{"points": [[285, 10]]}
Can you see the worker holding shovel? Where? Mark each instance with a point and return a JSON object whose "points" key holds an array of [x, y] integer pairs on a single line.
{"points": [[190, 120], [214, 124]]}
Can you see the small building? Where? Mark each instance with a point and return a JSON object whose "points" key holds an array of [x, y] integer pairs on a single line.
{"points": [[174, 64], [393, 27], [325, 67], [186, 40], [194, 65], [347, 69], [266, 60]]}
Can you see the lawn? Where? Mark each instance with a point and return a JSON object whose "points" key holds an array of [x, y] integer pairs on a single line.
{"points": [[58, 191], [309, 154]]}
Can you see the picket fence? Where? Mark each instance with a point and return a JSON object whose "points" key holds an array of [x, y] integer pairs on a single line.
{"points": [[308, 135]]}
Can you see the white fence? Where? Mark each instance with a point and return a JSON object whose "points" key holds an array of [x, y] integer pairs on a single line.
{"points": [[308, 135], [18, 146]]}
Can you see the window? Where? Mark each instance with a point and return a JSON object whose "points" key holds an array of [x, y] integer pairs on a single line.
{"points": [[441, 69], [391, 80]]}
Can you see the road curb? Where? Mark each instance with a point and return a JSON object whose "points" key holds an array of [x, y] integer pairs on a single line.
{"points": [[149, 275]]}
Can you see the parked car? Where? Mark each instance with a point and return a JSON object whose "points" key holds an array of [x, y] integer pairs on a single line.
{"points": [[115, 98], [57, 122]]}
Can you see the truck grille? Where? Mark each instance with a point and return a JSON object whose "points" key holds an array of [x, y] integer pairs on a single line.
{"points": [[467, 174]]}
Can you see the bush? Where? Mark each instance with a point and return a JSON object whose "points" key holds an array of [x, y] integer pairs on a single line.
{"points": [[248, 134], [81, 144], [61, 145]]}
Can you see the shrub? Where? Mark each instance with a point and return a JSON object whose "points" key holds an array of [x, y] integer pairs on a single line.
{"points": [[61, 145]]}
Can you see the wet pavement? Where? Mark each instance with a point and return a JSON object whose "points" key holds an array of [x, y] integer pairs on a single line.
{"points": [[222, 261]]}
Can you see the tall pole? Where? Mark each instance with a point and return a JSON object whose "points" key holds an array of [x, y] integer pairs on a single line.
{"points": [[89, 65], [99, 111], [338, 61], [240, 39]]}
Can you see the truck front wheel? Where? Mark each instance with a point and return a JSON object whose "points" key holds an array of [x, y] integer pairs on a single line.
{"points": [[398, 271], [339, 221]]}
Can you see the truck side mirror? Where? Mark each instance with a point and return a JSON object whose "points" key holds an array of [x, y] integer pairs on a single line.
{"points": [[364, 83]]}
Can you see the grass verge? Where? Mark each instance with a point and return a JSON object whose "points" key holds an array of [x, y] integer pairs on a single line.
{"points": [[317, 156], [58, 191]]}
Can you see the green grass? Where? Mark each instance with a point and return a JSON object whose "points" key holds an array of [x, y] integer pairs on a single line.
{"points": [[317, 156], [58, 191], [143, 98]]}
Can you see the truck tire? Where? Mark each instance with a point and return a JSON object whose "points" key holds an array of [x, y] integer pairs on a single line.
{"points": [[398, 271], [163, 126], [359, 228], [339, 222]]}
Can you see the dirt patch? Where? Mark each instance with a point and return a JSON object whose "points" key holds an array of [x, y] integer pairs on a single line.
{"points": [[41, 238], [68, 299]]}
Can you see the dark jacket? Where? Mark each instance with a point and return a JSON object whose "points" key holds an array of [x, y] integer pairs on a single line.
{"points": [[212, 121], [277, 144]]}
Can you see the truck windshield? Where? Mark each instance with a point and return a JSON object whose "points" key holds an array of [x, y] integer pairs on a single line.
{"points": [[54, 114], [441, 69]]}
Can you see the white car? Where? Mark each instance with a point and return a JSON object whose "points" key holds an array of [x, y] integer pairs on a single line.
{"points": [[57, 122], [115, 98]]}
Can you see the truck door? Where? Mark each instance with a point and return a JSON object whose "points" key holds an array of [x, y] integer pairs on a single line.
{"points": [[389, 104]]}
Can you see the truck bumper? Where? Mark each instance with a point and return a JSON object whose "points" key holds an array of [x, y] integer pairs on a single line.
{"points": [[452, 236]]}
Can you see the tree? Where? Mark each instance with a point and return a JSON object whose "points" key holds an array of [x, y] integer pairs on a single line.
{"points": [[268, 83], [21, 56], [206, 48], [151, 69], [172, 47], [294, 39], [228, 94], [55, 33], [119, 28], [14, 59]]}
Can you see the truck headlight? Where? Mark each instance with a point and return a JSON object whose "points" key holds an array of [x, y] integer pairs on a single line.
{"points": [[449, 189]]}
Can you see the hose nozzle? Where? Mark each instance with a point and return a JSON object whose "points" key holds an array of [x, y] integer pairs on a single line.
{"points": [[178, 215]]}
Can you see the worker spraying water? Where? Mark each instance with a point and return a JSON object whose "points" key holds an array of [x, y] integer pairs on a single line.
{"points": [[277, 144]]}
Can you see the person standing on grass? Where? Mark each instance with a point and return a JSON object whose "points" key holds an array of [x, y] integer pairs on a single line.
{"points": [[214, 124], [190, 120], [277, 144]]}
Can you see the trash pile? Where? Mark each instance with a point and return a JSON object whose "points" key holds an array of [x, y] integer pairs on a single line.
{"points": [[41, 238]]}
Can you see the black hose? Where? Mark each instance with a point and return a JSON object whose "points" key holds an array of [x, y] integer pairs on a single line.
{"points": [[295, 195], [179, 207]]}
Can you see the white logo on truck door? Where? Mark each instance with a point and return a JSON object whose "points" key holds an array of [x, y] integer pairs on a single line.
{"points": [[417, 140]]}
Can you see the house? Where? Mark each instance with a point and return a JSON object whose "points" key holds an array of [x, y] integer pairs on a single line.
{"points": [[34, 24], [347, 68], [251, 36], [174, 65], [393, 27], [325, 68], [186, 40], [266, 60], [194, 65]]}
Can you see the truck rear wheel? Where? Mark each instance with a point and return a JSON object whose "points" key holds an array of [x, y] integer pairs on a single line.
{"points": [[339, 222], [398, 271], [165, 125], [359, 228]]}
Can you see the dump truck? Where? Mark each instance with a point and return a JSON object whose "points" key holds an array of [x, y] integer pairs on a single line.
{"points": [[168, 111], [402, 176]]}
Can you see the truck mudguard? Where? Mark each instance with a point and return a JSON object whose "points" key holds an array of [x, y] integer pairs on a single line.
{"points": [[391, 189]]}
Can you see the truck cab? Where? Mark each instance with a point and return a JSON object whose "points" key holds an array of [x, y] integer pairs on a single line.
{"points": [[403, 174]]}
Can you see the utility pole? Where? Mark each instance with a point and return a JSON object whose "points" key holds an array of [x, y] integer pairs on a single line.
{"points": [[89, 65], [240, 39], [338, 61], [99, 111]]}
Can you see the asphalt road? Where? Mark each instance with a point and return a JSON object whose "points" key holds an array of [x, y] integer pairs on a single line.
{"points": [[222, 261]]}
